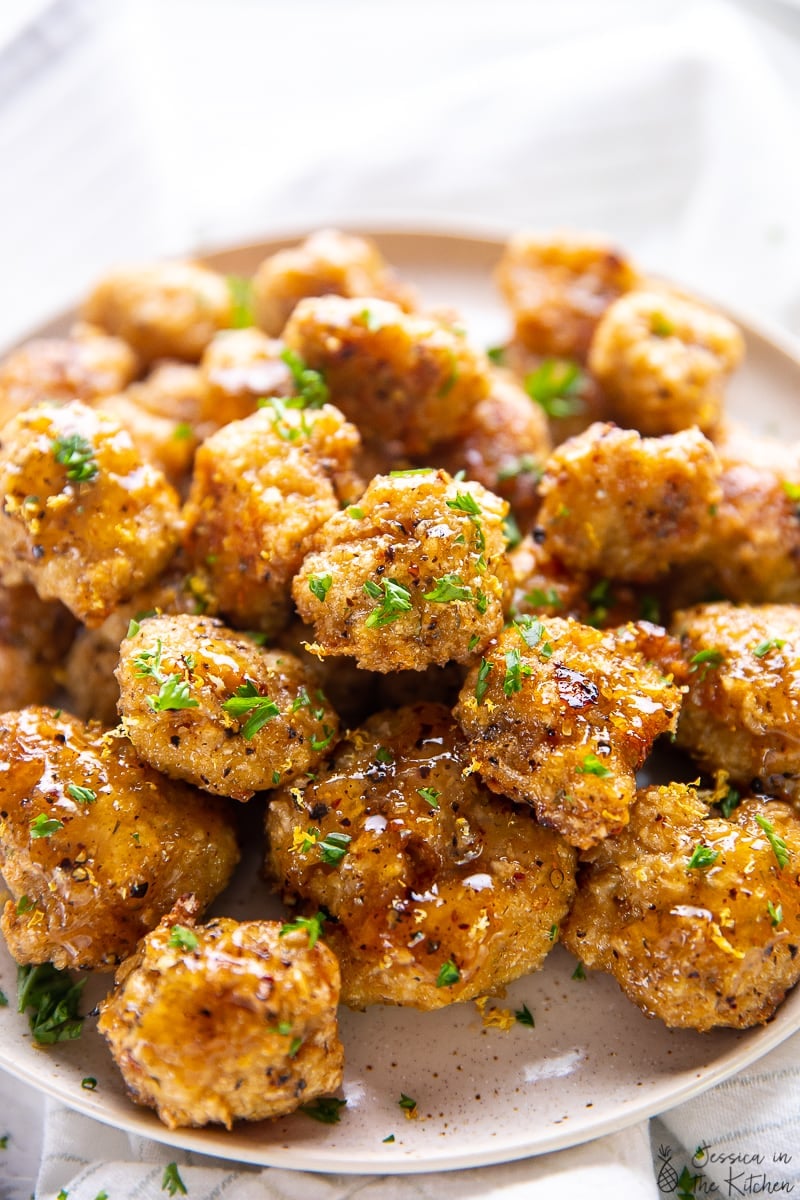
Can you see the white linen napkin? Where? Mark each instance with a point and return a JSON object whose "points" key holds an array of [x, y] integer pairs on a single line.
{"points": [[160, 127]]}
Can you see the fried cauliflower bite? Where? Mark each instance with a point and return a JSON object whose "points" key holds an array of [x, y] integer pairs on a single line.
{"points": [[408, 382], [440, 892], [226, 1021], [627, 506], [663, 361], [88, 672], [34, 637], [558, 286], [326, 263], [84, 520], [162, 310], [238, 368], [743, 703], [412, 576], [503, 447], [560, 716], [205, 705], [84, 366], [692, 914], [261, 488], [95, 847]]}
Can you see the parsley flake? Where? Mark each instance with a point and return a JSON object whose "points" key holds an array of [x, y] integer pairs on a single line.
{"points": [[395, 599], [3, 1000], [592, 765], [247, 699], [382, 755], [429, 795], [333, 848], [406, 1102], [181, 938], [701, 858], [171, 1181], [77, 455], [539, 598], [482, 684], [133, 628], [319, 586], [496, 354], [310, 385], [326, 1110], [311, 925], [553, 933], [390, 1138], [449, 587], [411, 471], [89, 1083], [241, 293], [660, 326], [448, 974], [42, 826], [579, 972], [763, 648], [709, 660], [512, 680], [555, 386], [730, 802], [779, 847], [775, 914], [173, 695], [524, 1016], [466, 503], [53, 999], [83, 795]]}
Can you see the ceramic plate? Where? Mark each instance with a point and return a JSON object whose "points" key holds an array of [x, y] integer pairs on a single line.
{"points": [[592, 1063]]}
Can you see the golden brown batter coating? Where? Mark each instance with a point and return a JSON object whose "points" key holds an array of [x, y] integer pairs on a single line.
{"points": [[408, 381], [238, 368], [413, 575], [84, 519], [742, 709], [327, 263], [163, 310], [629, 507], [204, 704], [504, 447], [95, 847], [664, 360], [85, 366], [34, 637], [561, 716], [261, 488], [94, 655], [558, 287], [698, 946], [225, 1021], [440, 891]]}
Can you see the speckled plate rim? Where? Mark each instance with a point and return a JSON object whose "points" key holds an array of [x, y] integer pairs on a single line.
{"points": [[440, 236]]}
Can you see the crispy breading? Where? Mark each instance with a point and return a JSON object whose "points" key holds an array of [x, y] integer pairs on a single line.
{"points": [[238, 368]]}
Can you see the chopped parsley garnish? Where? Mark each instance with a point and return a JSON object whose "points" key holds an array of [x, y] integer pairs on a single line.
{"points": [[555, 386], [553, 933], [406, 1102], [429, 795], [448, 974], [181, 938], [660, 326], [382, 755], [310, 385], [709, 660], [526, 464], [174, 690], [326, 739], [24, 904], [42, 826], [772, 644], [524, 1016], [311, 925], [326, 1110], [579, 972], [182, 431], [83, 795], [530, 630], [650, 610], [247, 699], [775, 914], [547, 650], [241, 292], [354, 512], [77, 455], [3, 999], [512, 680], [133, 628], [496, 354], [411, 471], [449, 587], [473, 641], [389, 1138], [538, 598], [779, 847], [730, 802], [601, 598], [89, 1083], [333, 848], [319, 586], [294, 1046], [482, 684], [481, 602], [53, 999], [4, 1141], [395, 599], [701, 858], [592, 765], [171, 1181], [466, 503], [511, 532]]}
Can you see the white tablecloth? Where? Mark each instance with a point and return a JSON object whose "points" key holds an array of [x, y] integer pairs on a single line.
{"points": [[131, 130]]}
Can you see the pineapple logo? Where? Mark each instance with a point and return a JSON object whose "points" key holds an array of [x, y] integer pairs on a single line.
{"points": [[667, 1180]]}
